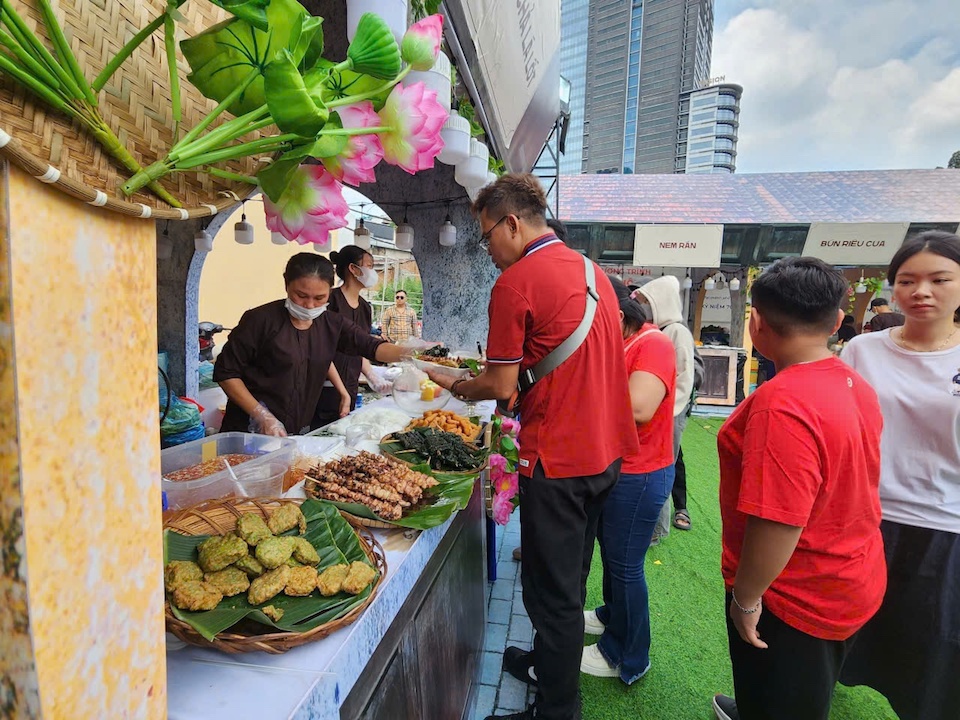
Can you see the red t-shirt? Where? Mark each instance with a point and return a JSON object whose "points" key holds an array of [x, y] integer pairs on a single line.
{"points": [[649, 350], [570, 420], [804, 450]]}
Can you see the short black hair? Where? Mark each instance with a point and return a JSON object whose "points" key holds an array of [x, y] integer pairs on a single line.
{"points": [[519, 194], [849, 319], [308, 265], [799, 295], [878, 302], [633, 315]]}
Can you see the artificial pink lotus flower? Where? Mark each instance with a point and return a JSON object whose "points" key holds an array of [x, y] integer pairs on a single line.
{"points": [[311, 206], [421, 43], [502, 508], [415, 118], [510, 426], [355, 164], [508, 484]]}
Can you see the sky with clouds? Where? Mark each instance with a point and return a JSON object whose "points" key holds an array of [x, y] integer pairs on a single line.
{"points": [[842, 84]]}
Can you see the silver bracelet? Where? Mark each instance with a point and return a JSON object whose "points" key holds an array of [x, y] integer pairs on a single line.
{"points": [[742, 609]]}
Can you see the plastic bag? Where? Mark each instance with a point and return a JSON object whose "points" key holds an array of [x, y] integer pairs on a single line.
{"points": [[415, 343], [182, 416], [194, 433], [205, 372]]}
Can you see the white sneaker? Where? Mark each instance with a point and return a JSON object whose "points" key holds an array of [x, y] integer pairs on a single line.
{"points": [[592, 624], [594, 663]]}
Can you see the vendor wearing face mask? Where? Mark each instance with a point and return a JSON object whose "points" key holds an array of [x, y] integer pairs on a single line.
{"points": [[274, 365], [354, 267]]}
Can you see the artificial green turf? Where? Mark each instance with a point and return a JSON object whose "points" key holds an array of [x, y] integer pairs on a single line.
{"points": [[689, 639]]}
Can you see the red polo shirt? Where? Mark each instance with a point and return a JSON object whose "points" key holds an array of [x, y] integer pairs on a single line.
{"points": [[577, 420], [804, 450]]}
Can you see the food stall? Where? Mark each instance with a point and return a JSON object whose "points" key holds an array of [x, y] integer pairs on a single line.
{"points": [[105, 244], [426, 616]]}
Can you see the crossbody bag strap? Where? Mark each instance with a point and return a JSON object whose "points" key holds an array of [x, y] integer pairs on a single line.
{"points": [[569, 346]]}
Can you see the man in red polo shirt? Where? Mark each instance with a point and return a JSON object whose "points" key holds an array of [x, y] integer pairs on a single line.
{"points": [[574, 431]]}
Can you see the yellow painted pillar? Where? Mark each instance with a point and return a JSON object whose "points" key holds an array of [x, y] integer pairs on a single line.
{"points": [[80, 459]]}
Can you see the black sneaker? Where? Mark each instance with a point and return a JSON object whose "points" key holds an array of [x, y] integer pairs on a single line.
{"points": [[519, 664], [725, 707], [522, 715]]}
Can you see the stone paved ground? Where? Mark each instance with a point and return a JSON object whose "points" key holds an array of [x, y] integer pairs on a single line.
{"points": [[507, 624]]}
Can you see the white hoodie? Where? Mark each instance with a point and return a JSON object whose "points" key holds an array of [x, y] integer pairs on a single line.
{"points": [[663, 294]]}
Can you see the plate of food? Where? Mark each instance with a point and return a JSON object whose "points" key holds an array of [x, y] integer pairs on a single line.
{"points": [[447, 421], [441, 360], [253, 574], [387, 493], [439, 450]]}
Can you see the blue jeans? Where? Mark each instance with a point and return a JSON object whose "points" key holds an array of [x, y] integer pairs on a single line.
{"points": [[626, 526]]}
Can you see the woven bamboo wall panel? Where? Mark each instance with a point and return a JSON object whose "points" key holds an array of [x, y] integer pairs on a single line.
{"points": [[135, 104]]}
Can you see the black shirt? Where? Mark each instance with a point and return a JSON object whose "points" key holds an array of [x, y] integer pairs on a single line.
{"points": [[283, 367], [883, 321], [349, 366]]}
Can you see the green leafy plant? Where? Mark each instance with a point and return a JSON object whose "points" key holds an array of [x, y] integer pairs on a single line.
{"points": [[423, 8], [467, 111]]}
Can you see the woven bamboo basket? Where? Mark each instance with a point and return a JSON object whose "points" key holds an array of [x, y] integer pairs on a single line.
{"points": [[367, 522], [220, 516], [135, 104]]}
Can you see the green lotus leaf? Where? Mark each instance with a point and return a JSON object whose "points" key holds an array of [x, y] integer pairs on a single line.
{"points": [[328, 85], [374, 50], [291, 106], [253, 11], [223, 56]]}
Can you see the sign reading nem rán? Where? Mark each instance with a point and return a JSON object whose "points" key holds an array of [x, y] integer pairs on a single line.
{"points": [[678, 245], [855, 243]]}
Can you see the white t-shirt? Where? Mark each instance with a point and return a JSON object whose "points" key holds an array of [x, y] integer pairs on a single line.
{"points": [[920, 445]]}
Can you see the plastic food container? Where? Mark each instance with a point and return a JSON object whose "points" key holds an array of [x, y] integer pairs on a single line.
{"points": [[184, 493], [263, 479], [415, 394]]}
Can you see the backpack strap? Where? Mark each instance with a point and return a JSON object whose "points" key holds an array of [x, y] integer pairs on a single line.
{"points": [[564, 350]]}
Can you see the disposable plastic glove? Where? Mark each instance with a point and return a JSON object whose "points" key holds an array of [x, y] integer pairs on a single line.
{"points": [[265, 422], [378, 381]]}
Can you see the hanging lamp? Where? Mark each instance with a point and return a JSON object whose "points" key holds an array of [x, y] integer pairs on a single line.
{"points": [[165, 244], [243, 231], [448, 233], [203, 240], [403, 238]]}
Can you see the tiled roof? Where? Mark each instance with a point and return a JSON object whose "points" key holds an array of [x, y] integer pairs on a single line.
{"points": [[850, 196]]}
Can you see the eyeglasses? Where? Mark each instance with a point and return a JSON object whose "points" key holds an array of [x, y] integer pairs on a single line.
{"points": [[400, 297], [485, 237]]}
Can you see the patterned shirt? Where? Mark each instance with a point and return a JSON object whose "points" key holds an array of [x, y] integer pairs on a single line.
{"points": [[398, 325]]}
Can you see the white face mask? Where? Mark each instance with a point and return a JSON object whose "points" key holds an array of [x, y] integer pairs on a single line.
{"points": [[299, 312], [368, 277]]}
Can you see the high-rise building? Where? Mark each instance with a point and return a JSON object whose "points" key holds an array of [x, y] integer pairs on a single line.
{"points": [[642, 59], [573, 67], [707, 130]]}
